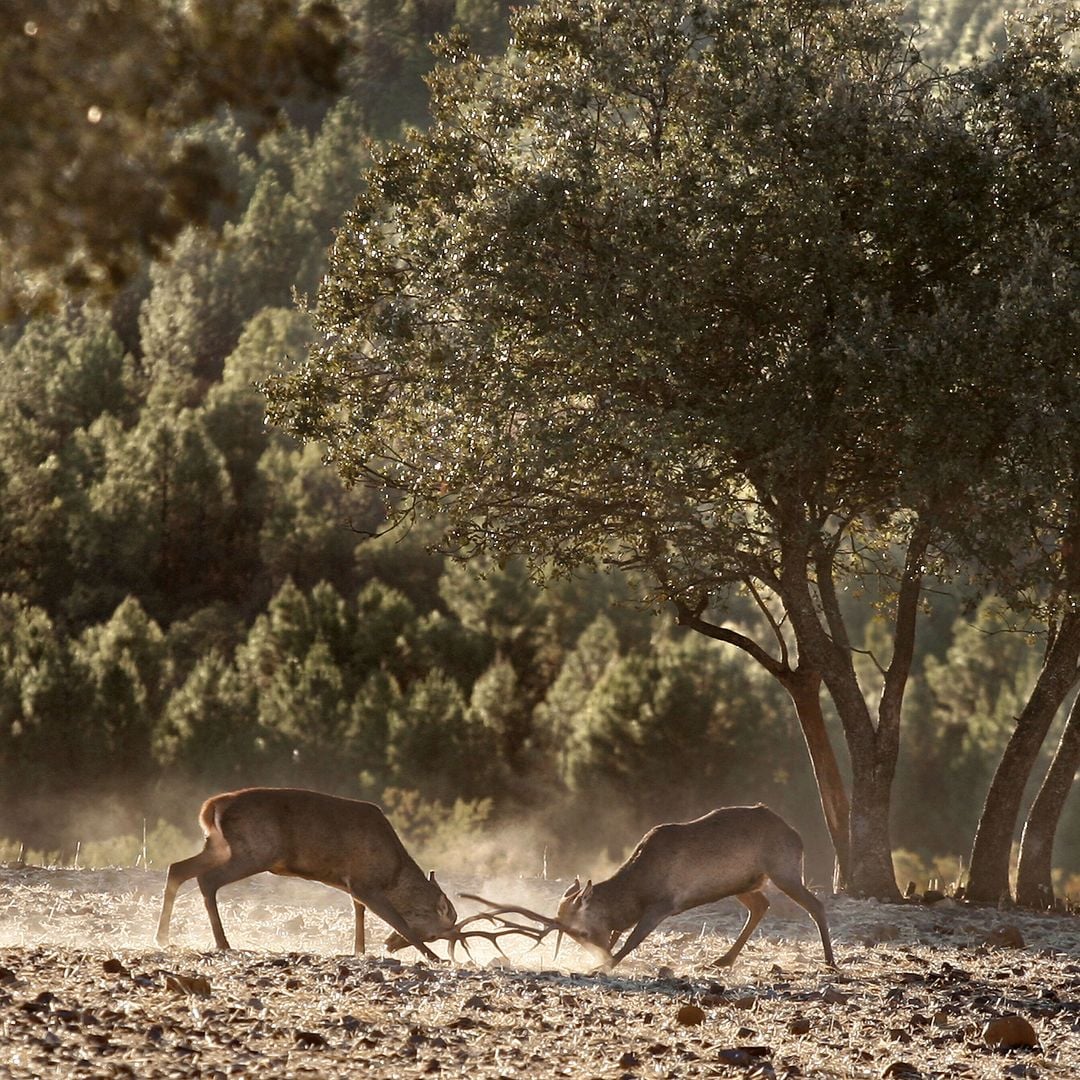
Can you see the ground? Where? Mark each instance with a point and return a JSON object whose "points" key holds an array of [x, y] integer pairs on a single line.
{"points": [[84, 992]]}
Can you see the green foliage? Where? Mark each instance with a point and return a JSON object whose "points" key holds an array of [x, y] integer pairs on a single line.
{"points": [[732, 296], [126, 672], [163, 495], [101, 167], [441, 834], [210, 729], [960, 720], [675, 731], [432, 745], [311, 520]]}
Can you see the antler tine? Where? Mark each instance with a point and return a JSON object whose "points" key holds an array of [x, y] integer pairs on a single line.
{"points": [[514, 909], [460, 932]]}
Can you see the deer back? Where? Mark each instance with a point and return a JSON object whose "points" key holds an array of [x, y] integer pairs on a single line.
{"points": [[723, 853], [307, 834]]}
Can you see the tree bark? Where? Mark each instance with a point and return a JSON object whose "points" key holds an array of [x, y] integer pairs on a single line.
{"points": [[1034, 885], [872, 872], [872, 790], [988, 879], [804, 687]]}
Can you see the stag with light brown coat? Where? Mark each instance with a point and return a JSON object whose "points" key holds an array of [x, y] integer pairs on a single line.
{"points": [[345, 843], [732, 851]]}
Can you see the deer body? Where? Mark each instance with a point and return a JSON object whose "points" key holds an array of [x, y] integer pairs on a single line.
{"points": [[732, 851], [344, 843]]}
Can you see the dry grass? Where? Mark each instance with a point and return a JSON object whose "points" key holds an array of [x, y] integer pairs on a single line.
{"points": [[83, 992]]}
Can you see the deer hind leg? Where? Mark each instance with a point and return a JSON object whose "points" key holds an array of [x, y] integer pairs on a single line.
{"points": [[235, 868], [814, 908], [756, 904], [179, 872]]}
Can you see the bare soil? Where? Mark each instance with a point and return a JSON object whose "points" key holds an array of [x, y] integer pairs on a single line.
{"points": [[85, 993]]}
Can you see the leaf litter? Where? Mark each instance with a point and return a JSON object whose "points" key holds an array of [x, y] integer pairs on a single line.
{"points": [[940, 990]]}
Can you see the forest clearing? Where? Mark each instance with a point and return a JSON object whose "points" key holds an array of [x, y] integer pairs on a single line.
{"points": [[83, 991]]}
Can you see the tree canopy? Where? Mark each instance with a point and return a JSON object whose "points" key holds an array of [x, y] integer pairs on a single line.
{"points": [[720, 293]]}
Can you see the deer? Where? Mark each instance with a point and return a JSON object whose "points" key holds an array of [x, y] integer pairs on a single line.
{"points": [[347, 844], [731, 851]]}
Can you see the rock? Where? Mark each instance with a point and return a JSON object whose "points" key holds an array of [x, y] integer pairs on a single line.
{"points": [[689, 1015], [1009, 1032], [744, 1057], [800, 1026], [1006, 936]]}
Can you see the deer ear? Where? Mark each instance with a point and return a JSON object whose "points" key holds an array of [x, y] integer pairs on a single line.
{"points": [[574, 889], [431, 875], [586, 892]]}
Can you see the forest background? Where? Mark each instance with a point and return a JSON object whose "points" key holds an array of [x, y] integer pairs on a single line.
{"points": [[191, 601]]}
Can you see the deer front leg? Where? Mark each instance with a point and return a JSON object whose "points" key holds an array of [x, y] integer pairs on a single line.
{"points": [[648, 922], [381, 905]]}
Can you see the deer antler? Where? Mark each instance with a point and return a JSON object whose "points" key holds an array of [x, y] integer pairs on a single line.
{"points": [[513, 909], [548, 923], [459, 934]]}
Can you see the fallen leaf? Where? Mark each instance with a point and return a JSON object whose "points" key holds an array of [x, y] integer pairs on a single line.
{"points": [[193, 985], [902, 1070]]}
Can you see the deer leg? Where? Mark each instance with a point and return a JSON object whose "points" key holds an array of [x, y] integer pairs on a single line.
{"points": [[359, 945], [381, 905], [814, 908], [756, 904], [179, 872], [646, 925], [213, 879]]}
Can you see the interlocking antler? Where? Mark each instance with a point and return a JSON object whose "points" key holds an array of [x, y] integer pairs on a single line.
{"points": [[497, 912], [460, 934]]}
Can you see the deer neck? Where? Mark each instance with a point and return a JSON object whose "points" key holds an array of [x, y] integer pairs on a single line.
{"points": [[623, 897]]}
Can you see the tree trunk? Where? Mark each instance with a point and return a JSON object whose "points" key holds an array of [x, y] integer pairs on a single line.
{"points": [[804, 688], [872, 871], [988, 879], [1034, 887]]}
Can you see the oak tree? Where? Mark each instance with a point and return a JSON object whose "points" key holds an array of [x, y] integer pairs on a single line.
{"points": [[693, 288]]}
